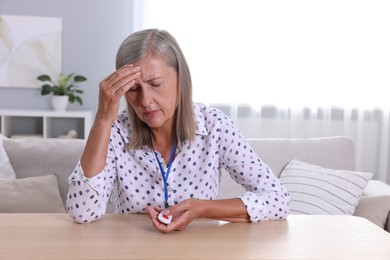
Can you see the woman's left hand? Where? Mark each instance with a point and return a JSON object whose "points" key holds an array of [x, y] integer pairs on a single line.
{"points": [[182, 214]]}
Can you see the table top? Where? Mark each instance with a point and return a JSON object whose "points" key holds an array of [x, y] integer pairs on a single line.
{"points": [[132, 236]]}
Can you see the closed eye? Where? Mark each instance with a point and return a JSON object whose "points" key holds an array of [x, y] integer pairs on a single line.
{"points": [[155, 84]]}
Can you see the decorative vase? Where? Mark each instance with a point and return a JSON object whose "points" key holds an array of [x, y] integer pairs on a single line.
{"points": [[59, 102]]}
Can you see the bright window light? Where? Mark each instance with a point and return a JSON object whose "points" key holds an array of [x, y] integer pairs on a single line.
{"points": [[284, 53]]}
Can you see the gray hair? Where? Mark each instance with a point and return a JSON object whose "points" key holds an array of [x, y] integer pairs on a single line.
{"points": [[160, 43]]}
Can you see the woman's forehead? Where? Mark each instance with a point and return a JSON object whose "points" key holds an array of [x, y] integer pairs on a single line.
{"points": [[153, 67]]}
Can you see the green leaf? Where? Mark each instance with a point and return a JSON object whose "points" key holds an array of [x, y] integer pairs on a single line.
{"points": [[63, 80], [44, 78], [78, 99], [71, 98], [79, 78], [59, 91], [46, 89]]}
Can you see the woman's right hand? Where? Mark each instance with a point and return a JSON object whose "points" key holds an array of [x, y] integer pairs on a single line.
{"points": [[113, 88]]}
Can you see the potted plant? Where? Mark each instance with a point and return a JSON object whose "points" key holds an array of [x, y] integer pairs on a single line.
{"points": [[64, 87]]}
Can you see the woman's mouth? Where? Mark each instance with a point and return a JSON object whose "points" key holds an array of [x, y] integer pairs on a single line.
{"points": [[151, 113]]}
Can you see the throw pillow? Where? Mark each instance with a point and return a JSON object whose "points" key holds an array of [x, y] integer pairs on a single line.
{"points": [[6, 170], [374, 208], [316, 190], [31, 195]]}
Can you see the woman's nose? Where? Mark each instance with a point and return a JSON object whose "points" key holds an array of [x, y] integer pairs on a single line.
{"points": [[146, 97]]}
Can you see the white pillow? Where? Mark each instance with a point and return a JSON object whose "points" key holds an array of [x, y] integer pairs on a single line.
{"points": [[316, 190], [6, 170]]}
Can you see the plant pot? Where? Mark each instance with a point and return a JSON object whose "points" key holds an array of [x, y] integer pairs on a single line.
{"points": [[59, 102]]}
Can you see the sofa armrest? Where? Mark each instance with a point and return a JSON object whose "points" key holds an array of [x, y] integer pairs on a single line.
{"points": [[375, 204], [376, 188], [376, 209]]}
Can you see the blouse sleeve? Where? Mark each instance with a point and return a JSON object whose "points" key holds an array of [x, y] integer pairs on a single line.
{"points": [[265, 197], [87, 198]]}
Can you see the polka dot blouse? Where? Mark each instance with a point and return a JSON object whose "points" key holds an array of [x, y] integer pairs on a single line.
{"points": [[132, 178]]}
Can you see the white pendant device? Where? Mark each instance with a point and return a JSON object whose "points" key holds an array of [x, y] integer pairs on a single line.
{"points": [[163, 218]]}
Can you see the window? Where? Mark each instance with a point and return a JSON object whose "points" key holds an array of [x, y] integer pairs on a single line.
{"points": [[285, 53]]}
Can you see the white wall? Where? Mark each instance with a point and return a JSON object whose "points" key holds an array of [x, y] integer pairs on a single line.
{"points": [[92, 32]]}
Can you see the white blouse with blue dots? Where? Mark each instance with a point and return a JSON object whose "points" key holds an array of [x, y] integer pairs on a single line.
{"points": [[132, 178]]}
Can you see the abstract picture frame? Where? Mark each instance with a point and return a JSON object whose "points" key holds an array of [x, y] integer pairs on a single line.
{"points": [[29, 46]]}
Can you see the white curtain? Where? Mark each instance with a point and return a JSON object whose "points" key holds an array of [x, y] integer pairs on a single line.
{"points": [[369, 129], [298, 68]]}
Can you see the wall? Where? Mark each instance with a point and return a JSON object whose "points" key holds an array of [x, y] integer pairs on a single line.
{"points": [[92, 32]]}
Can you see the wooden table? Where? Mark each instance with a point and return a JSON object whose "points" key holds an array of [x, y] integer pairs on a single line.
{"points": [[56, 236]]}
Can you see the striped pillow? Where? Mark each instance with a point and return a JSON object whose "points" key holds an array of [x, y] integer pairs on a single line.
{"points": [[316, 190]]}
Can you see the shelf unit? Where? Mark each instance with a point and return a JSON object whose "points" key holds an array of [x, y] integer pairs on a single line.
{"points": [[44, 123]]}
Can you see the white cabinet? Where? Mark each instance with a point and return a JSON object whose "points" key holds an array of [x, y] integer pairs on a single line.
{"points": [[16, 123]]}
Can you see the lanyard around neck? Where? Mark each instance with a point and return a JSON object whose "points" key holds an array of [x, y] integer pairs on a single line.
{"points": [[165, 175]]}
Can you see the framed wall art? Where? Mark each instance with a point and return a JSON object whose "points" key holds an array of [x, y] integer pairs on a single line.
{"points": [[29, 46]]}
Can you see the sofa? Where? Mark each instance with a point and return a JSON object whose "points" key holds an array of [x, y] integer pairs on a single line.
{"points": [[42, 167]]}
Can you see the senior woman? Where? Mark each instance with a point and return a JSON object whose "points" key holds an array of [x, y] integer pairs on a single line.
{"points": [[164, 152]]}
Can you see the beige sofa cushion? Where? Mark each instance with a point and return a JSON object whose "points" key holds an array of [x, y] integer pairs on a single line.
{"points": [[6, 170], [37, 156], [277, 153], [31, 195], [376, 209], [325, 152], [376, 188]]}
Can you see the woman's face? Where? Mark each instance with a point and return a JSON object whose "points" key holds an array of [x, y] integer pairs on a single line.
{"points": [[154, 97]]}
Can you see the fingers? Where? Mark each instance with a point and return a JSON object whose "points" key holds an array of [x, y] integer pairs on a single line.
{"points": [[153, 213], [112, 89], [116, 84], [185, 205], [183, 214]]}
